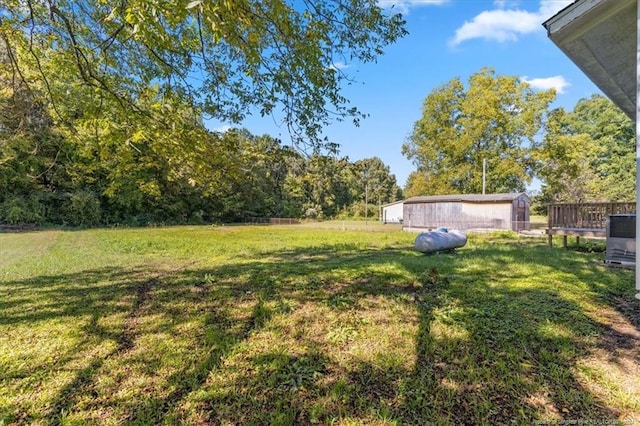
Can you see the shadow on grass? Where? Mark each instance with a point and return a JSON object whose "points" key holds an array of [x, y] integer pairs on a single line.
{"points": [[155, 347]]}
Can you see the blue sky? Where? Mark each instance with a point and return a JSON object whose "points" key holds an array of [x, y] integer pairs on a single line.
{"points": [[447, 39]]}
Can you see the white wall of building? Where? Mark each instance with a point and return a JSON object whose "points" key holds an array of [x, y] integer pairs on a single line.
{"points": [[392, 213]]}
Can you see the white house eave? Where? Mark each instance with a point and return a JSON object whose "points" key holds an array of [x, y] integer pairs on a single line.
{"points": [[575, 13], [599, 36]]}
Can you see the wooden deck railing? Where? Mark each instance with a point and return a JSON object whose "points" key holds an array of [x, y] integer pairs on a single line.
{"points": [[585, 215], [583, 219]]}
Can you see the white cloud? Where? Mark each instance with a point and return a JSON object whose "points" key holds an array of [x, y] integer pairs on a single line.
{"points": [[507, 24], [403, 6], [222, 129], [557, 82], [500, 25], [339, 65], [548, 8]]}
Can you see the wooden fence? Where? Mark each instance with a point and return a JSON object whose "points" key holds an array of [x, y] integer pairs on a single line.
{"points": [[271, 221]]}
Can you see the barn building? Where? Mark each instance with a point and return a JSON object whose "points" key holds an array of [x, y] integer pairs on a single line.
{"points": [[393, 212], [468, 211]]}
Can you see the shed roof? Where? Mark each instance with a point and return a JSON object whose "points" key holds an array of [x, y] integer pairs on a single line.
{"points": [[599, 36], [467, 198], [393, 204]]}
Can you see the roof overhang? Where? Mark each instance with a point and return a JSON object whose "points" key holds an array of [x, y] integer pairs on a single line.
{"points": [[600, 37]]}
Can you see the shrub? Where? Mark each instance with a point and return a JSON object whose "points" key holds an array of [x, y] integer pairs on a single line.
{"points": [[19, 210], [82, 209]]}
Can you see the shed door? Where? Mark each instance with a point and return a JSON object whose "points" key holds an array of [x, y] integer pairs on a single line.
{"points": [[521, 215]]}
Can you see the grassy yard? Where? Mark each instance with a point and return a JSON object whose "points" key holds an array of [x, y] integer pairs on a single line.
{"points": [[295, 325]]}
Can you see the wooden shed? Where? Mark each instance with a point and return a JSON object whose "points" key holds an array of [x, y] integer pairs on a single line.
{"points": [[468, 211]]}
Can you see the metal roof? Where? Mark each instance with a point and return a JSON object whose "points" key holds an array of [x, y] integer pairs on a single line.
{"points": [[392, 204], [467, 198], [600, 37]]}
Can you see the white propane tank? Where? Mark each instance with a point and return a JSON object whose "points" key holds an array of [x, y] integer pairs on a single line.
{"points": [[440, 240]]}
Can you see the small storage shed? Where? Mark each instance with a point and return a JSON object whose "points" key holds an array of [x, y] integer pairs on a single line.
{"points": [[393, 212], [468, 211]]}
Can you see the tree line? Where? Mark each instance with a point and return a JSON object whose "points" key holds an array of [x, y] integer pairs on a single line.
{"points": [[106, 165], [128, 172]]}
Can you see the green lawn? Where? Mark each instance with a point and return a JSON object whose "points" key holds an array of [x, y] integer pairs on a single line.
{"points": [[296, 325]]}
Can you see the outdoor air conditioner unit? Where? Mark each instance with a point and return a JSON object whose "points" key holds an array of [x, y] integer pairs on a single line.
{"points": [[621, 239]]}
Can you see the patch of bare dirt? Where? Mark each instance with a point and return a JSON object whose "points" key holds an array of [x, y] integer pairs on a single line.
{"points": [[129, 333]]}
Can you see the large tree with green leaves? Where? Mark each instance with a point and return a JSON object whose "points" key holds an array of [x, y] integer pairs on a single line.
{"points": [[588, 154], [227, 58], [495, 118], [372, 181]]}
